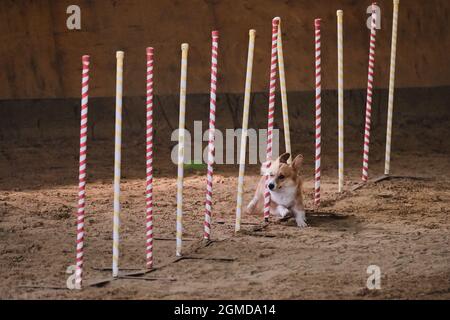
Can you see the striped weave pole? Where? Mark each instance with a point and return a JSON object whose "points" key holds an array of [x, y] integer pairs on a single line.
{"points": [[373, 32], [284, 102], [340, 45], [212, 127], [248, 89], [387, 166], [183, 79], [82, 172], [271, 113], [318, 113], [117, 163], [149, 162]]}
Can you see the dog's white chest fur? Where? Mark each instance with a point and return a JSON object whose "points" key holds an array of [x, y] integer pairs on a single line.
{"points": [[284, 197]]}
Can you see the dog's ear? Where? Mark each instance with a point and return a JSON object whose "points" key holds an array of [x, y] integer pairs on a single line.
{"points": [[284, 158], [298, 162]]}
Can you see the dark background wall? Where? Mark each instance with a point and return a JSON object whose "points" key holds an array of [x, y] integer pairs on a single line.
{"points": [[41, 58], [40, 63]]}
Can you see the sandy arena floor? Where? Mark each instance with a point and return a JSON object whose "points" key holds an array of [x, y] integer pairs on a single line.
{"points": [[400, 225]]}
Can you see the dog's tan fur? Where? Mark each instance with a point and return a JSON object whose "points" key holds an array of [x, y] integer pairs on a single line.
{"points": [[287, 195]]}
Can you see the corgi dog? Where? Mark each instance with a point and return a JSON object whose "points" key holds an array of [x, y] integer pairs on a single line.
{"points": [[285, 187]]}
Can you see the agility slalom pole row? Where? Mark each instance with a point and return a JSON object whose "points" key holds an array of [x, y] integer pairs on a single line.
{"points": [[82, 173], [181, 146], [373, 33], [245, 116], [340, 50], [211, 133], [271, 113], [117, 162], [284, 101], [149, 162], [387, 165], [318, 118]]}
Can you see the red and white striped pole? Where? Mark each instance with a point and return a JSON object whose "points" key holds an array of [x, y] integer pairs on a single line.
{"points": [[212, 128], [373, 32], [82, 172], [318, 113], [149, 162], [271, 114]]}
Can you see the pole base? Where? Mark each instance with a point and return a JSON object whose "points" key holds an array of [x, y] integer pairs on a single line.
{"points": [[388, 177]]}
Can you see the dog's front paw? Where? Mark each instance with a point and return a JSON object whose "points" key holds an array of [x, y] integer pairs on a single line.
{"points": [[300, 218], [283, 212], [301, 223], [251, 207]]}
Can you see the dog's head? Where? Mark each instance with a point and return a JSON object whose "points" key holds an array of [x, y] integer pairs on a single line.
{"points": [[281, 174]]}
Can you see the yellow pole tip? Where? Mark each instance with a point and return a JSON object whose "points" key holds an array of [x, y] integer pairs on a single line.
{"points": [[396, 2], [120, 54], [340, 13], [252, 32], [185, 46]]}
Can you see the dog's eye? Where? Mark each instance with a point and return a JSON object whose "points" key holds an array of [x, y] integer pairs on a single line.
{"points": [[281, 177]]}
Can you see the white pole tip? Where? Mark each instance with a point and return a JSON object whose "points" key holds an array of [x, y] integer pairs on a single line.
{"points": [[120, 54], [340, 13], [252, 32], [184, 46]]}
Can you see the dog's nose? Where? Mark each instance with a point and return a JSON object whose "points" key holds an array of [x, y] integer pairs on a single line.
{"points": [[271, 186]]}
